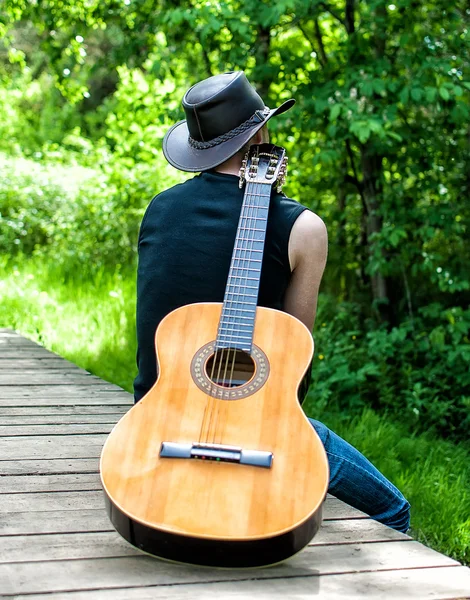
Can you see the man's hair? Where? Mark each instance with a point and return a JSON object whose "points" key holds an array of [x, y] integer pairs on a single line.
{"points": [[246, 147]]}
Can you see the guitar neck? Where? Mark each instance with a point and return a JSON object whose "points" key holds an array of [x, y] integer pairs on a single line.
{"points": [[237, 320]]}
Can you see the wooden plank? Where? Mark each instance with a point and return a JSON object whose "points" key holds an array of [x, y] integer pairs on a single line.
{"points": [[64, 394], [17, 422], [443, 583], [353, 531], [62, 414], [49, 522], [108, 543], [66, 482], [53, 501], [63, 429], [130, 571], [49, 466], [47, 377], [38, 364], [35, 352], [68, 515], [18, 341], [70, 446], [69, 500]]}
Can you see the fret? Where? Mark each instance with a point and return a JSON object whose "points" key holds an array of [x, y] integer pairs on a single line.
{"points": [[248, 249], [236, 324], [242, 294], [243, 337], [239, 317], [249, 287], [243, 277], [244, 269], [256, 218], [254, 229]]}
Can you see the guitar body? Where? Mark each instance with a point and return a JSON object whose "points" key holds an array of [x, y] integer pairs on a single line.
{"points": [[214, 512]]}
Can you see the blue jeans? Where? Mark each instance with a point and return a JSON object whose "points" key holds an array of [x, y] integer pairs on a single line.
{"points": [[355, 480]]}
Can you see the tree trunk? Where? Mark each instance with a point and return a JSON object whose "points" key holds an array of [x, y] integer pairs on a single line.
{"points": [[372, 190], [262, 60]]}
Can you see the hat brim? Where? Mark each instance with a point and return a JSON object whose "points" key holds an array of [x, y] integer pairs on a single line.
{"points": [[181, 155]]}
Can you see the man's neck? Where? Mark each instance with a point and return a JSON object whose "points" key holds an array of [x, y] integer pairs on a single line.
{"points": [[230, 166]]}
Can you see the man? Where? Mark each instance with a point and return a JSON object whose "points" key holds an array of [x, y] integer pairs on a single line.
{"points": [[186, 242]]}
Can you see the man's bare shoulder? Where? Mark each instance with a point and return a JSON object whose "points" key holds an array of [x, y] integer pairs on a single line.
{"points": [[309, 223], [309, 238]]}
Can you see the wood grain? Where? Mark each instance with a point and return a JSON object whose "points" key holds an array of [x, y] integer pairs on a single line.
{"points": [[443, 583], [66, 482], [38, 364], [63, 414], [138, 571], [28, 422], [54, 429], [107, 542], [209, 499], [51, 466], [49, 377], [71, 446]]}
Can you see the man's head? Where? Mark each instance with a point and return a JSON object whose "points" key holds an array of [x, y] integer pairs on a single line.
{"points": [[223, 115]]}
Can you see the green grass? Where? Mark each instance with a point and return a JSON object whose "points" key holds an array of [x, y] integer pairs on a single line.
{"points": [[86, 319], [434, 475], [90, 321]]}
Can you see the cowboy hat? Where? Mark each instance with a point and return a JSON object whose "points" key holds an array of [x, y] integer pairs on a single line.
{"points": [[223, 113]]}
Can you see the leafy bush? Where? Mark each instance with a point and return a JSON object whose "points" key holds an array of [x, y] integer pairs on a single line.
{"points": [[89, 220], [418, 371]]}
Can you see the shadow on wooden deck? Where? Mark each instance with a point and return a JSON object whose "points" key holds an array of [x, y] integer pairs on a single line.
{"points": [[56, 542]]}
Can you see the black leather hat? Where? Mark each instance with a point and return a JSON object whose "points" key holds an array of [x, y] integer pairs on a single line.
{"points": [[223, 113]]}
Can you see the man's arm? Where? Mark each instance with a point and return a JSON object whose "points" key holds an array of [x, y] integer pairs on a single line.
{"points": [[308, 249]]}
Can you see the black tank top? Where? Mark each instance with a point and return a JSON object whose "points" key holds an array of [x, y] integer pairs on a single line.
{"points": [[185, 246]]}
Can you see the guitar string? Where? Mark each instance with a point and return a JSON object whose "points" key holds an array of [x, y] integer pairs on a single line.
{"points": [[256, 203], [244, 217], [256, 200], [232, 333], [209, 405], [245, 255]]}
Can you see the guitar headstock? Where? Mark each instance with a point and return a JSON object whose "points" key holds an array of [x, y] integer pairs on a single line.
{"points": [[264, 163]]}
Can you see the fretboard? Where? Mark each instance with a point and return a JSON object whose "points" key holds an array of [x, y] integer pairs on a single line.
{"points": [[241, 293]]}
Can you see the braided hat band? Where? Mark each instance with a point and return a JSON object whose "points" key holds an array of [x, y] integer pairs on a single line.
{"points": [[223, 113], [259, 116]]}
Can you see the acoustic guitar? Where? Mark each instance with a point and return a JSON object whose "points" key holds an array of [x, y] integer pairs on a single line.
{"points": [[218, 465]]}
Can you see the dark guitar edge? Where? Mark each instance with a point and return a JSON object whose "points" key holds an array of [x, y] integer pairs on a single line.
{"points": [[214, 552]]}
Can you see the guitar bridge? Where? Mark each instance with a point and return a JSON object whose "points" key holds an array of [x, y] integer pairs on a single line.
{"points": [[217, 452]]}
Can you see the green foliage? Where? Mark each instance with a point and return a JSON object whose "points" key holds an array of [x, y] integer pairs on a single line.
{"points": [[77, 217], [87, 318], [433, 474], [419, 371]]}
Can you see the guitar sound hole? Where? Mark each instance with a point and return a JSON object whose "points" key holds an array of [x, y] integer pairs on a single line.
{"points": [[230, 367]]}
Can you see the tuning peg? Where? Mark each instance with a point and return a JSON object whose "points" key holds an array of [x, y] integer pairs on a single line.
{"points": [[242, 171], [282, 174]]}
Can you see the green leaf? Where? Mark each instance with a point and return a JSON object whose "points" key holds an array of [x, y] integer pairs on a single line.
{"points": [[394, 136], [431, 94], [361, 130], [334, 112], [416, 94], [405, 95], [444, 93]]}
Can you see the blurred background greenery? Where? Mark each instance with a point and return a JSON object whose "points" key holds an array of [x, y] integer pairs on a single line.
{"points": [[379, 147]]}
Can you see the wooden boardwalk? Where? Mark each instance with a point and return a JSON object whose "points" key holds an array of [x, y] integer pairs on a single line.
{"points": [[56, 542]]}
